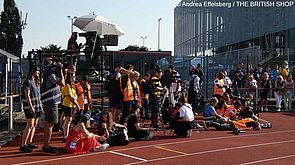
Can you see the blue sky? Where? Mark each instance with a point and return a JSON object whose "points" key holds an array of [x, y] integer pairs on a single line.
{"points": [[48, 22]]}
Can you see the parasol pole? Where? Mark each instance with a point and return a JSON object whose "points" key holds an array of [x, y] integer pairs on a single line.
{"points": [[94, 45]]}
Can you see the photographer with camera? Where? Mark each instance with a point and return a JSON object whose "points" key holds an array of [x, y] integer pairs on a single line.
{"points": [[175, 85], [50, 97], [155, 96], [146, 89]]}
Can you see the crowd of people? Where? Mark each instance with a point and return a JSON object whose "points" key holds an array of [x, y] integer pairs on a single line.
{"points": [[161, 98], [260, 82]]}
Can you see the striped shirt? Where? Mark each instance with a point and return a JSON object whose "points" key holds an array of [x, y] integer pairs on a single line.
{"points": [[50, 90], [35, 96]]}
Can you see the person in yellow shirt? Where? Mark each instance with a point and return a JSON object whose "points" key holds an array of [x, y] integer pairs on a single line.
{"points": [[284, 70], [69, 103]]}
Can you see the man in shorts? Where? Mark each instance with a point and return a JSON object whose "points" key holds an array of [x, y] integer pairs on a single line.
{"points": [[50, 96]]}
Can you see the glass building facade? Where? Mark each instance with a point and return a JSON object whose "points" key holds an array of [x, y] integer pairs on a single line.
{"points": [[212, 27]]}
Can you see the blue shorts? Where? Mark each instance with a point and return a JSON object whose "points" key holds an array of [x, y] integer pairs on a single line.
{"points": [[51, 113]]}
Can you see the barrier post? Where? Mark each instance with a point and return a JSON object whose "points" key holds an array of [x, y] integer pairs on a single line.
{"points": [[10, 115], [256, 98]]}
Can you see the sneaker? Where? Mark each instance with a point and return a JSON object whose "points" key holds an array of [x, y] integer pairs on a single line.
{"points": [[236, 131], [49, 150], [101, 147], [131, 139], [189, 133], [198, 126], [125, 142], [25, 149], [278, 110], [61, 130], [205, 127], [32, 146], [266, 110], [147, 138]]}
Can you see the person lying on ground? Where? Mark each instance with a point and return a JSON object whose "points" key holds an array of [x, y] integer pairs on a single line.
{"points": [[80, 140]]}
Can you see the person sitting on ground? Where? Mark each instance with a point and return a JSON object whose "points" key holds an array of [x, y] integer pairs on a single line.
{"points": [[232, 110], [80, 140], [224, 102], [183, 126], [116, 134], [134, 128], [211, 117]]}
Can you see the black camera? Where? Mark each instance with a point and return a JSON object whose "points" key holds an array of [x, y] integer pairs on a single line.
{"points": [[53, 62]]}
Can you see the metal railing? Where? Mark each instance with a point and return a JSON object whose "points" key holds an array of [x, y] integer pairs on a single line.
{"points": [[9, 108]]}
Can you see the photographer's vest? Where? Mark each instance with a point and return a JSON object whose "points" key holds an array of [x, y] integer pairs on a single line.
{"points": [[130, 93], [50, 93], [228, 109], [81, 98], [244, 124], [219, 87]]}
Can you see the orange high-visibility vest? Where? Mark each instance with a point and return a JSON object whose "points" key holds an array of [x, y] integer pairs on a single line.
{"points": [[128, 92], [80, 93], [219, 90], [228, 109], [241, 124]]}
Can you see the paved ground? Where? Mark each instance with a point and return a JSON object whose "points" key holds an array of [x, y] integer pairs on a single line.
{"points": [[5, 135], [267, 146]]}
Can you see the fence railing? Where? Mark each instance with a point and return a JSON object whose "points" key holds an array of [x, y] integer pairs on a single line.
{"points": [[8, 108]]}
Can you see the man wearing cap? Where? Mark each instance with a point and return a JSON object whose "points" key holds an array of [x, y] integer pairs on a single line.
{"points": [[50, 96]]}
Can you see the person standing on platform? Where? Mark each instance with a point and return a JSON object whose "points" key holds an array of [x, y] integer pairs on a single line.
{"points": [[74, 49]]}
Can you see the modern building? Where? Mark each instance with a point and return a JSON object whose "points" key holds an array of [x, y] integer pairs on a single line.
{"points": [[212, 27]]}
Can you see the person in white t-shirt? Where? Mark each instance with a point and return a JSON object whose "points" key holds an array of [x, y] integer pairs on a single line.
{"points": [[252, 84], [184, 124]]}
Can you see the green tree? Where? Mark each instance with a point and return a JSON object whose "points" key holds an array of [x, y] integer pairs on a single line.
{"points": [[11, 31], [51, 47], [135, 48], [52, 50]]}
